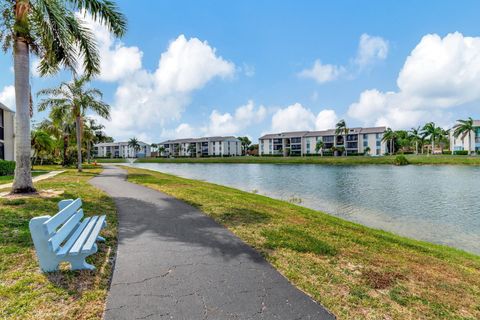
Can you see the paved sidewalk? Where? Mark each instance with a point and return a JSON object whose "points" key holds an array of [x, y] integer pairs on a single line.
{"points": [[35, 179], [174, 262]]}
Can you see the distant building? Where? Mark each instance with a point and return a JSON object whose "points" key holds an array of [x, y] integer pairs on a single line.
{"points": [[121, 150], [457, 144], [7, 137], [201, 147], [304, 142]]}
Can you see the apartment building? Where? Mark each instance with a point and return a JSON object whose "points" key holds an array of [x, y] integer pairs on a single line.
{"points": [[298, 143], [201, 147], [459, 144], [121, 150], [7, 137]]}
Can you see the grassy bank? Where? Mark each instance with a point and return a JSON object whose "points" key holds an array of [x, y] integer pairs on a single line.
{"points": [[25, 292], [108, 160], [8, 179], [355, 271], [352, 160]]}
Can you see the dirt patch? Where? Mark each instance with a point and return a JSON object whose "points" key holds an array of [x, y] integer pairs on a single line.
{"points": [[381, 279], [47, 193]]}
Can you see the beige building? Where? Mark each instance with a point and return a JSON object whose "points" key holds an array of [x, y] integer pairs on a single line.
{"points": [[121, 150], [201, 147], [358, 140], [7, 136]]}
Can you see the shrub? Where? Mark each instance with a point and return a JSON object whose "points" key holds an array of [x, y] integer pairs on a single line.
{"points": [[460, 152], [7, 168], [446, 152], [400, 160]]}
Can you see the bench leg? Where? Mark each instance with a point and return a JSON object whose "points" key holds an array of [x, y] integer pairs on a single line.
{"points": [[79, 263]]}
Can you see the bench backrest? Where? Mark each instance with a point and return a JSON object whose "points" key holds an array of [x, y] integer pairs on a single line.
{"points": [[61, 225]]}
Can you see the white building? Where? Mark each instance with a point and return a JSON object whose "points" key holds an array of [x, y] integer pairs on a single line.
{"points": [[121, 150], [459, 144], [7, 136], [358, 141], [201, 147]]}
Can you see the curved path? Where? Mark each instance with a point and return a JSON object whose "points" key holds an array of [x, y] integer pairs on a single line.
{"points": [[174, 262]]}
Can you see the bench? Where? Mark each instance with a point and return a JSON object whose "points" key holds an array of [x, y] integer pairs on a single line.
{"points": [[65, 237]]}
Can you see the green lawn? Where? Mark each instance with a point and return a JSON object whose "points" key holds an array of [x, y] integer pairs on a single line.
{"points": [[25, 292], [8, 179], [355, 271], [351, 160], [107, 160]]}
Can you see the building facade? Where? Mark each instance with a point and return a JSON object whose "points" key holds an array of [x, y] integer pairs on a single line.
{"points": [[201, 147], [7, 136], [121, 150], [470, 142], [358, 140]]}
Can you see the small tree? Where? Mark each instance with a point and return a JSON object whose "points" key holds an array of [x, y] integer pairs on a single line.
{"points": [[367, 150], [133, 143], [462, 129], [319, 147], [342, 129], [245, 141]]}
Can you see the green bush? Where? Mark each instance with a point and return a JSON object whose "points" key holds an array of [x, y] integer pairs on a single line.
{"points": [[460, 152], [7, 168], [400, 160], [446, 152]]}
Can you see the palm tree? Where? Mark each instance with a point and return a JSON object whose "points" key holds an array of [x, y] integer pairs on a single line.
{"points": [[52, 31], [319, 147], [77, 99], [341, 128], [367, 150], [389, 136], [42, 144], [415, 136], [245, 141], [161, 150], [430, 131], [133, 143], [462, 129]]}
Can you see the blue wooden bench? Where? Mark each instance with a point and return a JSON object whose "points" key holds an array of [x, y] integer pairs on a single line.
{"points": [[65, 237]]}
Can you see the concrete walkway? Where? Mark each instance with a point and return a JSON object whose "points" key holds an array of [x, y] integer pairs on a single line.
{"points": [[35, 179], [174, 262]]}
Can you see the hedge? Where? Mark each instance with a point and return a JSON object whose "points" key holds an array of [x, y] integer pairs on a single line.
{"points": [[7, 168], [460, 152]]}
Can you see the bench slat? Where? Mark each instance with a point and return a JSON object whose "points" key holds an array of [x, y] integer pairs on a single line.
{"points": [[93, 236], [71, 241], [83, 236], [67, 228], [63, 215]]}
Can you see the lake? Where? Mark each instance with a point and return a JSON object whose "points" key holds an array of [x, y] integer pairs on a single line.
{"points": [[440, 204]]}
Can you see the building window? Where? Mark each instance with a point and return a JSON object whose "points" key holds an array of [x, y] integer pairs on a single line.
{"points": [[378, 144], [295, 140], [2, 151]]}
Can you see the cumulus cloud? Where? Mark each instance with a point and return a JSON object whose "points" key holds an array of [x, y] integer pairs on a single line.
{"points": [[322, 73], [117, 60], [298, 118], [371, 49], [440, 73], [145, 100], [184, 130], [7, 97]]}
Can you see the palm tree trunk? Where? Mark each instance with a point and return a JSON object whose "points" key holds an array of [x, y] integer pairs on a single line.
{"points": [[433, 145], [65, 146], [345, 144], [469, 141], [23, 175], [416, 147], [79, 143], [88, 152]]}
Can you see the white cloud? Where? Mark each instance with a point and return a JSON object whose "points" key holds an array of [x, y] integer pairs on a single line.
{"points": [[184, 130], [145, 100], [298, 118], [117, 61], [248, 70], [326, 119], [370, 49], [440, 73], [7, 97], [233, 124], [322, 73]]}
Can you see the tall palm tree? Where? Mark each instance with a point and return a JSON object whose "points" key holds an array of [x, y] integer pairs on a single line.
{"points": [[77, 99], [430, 131], [415, 136], [133, 143], [341, 128], [389, 136], [462, 129], [319, 147], [51, 30]]}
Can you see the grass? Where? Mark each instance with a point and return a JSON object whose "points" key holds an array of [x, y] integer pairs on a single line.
{"points": [[8, 179], [25, 292], [355, 271], [353, 160], [108, 160]]}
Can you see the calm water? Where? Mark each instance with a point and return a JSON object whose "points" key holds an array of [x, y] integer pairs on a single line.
{"points": [[440, 204]]}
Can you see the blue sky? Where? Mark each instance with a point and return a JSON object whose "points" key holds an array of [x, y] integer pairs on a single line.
{"points": [[194, 68]]}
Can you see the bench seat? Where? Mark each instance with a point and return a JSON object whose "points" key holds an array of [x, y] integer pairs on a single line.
{"points": [[66, 237]]}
